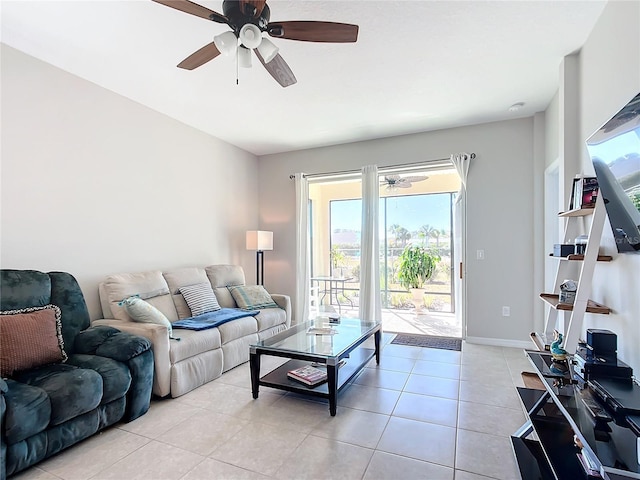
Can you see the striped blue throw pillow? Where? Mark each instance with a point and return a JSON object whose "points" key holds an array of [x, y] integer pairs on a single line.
{"points": [[200, 298]]}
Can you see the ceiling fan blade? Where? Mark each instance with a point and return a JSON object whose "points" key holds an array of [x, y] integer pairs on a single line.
{"points": [[194, 9], [278, 69], [417, 178], [309, 31], [200, 57], [403, 185]]}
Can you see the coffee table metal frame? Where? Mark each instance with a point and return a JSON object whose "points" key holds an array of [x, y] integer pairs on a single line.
{"points": [[302, 349]]}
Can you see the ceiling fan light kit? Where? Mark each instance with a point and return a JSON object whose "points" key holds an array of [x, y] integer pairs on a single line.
{"points": [[248, 19], [226, 42], [244, 57], [267, 50], [250, 36]]}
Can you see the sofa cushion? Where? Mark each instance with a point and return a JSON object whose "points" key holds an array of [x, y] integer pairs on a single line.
{"points": [[194, 343], [116, 377], [221, 277], [150, 286], [200, 298], [270, 317], [180, 278], [252, 297], [237, 329], [144, 312], [31, 337], [28, 411], [72, 391]]}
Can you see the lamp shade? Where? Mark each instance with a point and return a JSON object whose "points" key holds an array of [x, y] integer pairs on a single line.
{"points": [[226, 42], [267, 50], [244, 57], [250, 35], [259, 240]]}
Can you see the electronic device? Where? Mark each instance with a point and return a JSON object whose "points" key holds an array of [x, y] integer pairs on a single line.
{"points": [[602, 342], [563, 249], [634, 426], [615, 153], [620, 396], [589, 366]]}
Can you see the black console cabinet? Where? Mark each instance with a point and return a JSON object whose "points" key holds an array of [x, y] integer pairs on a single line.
{"points": [[567, 435]]}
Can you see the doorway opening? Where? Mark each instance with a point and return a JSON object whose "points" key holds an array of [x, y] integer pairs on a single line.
{"points": [[417, 213]]}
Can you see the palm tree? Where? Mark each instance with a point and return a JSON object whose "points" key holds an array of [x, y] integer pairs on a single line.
{"points": [[393, 229], [403, 235], [437, 234], [426, 231]]}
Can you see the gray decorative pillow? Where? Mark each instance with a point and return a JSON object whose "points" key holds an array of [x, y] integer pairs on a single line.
{"points": [[141, 311], [252, 297], [200, 298]]}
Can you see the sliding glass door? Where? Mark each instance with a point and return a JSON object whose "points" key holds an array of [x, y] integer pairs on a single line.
{"points": [[405, 220], [417, 213]]}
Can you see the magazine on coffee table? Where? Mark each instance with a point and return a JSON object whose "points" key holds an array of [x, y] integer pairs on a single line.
{"points": [[308, 375]]}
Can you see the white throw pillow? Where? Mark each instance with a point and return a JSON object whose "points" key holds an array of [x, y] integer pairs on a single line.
{"points": [[200, 298], [141, 311]]}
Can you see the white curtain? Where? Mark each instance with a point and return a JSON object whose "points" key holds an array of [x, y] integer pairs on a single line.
{"points": [[461, 162], [370, 304], [303, 260]]}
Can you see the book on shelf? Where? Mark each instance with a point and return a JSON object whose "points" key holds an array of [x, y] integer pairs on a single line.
{"points": [[308, 375], [584, 193]]}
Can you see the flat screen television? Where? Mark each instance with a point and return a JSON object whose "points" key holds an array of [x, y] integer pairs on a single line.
{"points": [[615, 153]]}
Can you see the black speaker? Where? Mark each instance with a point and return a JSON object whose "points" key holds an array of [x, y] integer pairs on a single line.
{"points": [[602, 342]]}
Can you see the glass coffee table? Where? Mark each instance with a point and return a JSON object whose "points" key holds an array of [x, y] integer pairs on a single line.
{"points": [[341, 354]]}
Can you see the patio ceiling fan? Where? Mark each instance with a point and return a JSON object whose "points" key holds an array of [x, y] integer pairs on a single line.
{"points": [[248, 20], [396, 181]]}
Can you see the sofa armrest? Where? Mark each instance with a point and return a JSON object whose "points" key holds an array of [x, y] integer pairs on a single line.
{"points": [[4, 388], [134, 351], [158, 335], [111, 343], [284, 302]]}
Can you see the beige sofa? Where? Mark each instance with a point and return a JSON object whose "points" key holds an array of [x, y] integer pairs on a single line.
{"points": [[199, 356]]}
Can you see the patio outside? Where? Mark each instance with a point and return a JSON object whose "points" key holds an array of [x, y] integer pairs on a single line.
{"points": [[443, 324]]}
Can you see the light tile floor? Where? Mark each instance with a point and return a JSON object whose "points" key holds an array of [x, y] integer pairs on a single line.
{"points": [[423, 413]]}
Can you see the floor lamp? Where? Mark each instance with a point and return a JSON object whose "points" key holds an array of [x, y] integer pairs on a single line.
{"points": [[259, 240]]}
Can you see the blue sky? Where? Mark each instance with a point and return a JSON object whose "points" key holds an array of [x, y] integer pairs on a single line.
{"points": [[410, 212]]}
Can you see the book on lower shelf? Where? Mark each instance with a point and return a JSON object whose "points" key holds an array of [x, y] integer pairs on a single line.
{"points": [[308, 375]]}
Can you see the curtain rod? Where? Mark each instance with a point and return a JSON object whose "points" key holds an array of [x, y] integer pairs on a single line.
{"points": [[345, 172]]}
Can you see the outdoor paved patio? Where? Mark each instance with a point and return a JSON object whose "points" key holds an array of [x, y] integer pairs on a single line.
{"points": [[407, 321]]}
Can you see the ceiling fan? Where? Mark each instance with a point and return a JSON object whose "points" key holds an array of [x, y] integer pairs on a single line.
{"points": [[248, 19], [396, 181]]}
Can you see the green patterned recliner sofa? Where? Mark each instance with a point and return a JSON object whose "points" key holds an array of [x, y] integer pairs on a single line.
{"points": [[106, 377]]}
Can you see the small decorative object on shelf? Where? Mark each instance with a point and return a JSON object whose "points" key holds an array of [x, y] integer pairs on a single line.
{"points": [[308, 375], [568, 290], [563, 249], [557, 351], [581, 244]]}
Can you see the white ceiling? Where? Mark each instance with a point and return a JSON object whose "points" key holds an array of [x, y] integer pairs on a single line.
{"points": [[417, 65]]}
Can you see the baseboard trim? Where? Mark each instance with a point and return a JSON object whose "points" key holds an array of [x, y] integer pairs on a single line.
{"points": [[499, 342]]}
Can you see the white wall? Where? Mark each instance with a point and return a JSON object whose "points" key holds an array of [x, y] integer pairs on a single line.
{"points": [[93, 183], [500, 213], [609, 78]]}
